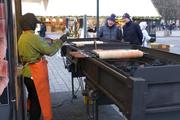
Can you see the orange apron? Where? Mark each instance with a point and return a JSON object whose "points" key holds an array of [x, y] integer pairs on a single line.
{"points": [[39, 73]]}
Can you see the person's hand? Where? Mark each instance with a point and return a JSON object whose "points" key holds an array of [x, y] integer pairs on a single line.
{"points": [[63, 37], [49, 40]]}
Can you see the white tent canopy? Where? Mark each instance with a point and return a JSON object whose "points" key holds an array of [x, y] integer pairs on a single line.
{"points": [[89, 7]]}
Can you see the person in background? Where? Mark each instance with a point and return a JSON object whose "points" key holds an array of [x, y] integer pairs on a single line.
{"points": [[131, 31], [110, 32], [42, 31], [31, 49], [146, 37]]}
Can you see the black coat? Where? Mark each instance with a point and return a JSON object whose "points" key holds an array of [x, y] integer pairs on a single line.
{"points": [[42, 31], [132, 33], [110, 33]]}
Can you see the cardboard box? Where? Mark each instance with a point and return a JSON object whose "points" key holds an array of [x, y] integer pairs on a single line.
{"points": [[159, 46]]}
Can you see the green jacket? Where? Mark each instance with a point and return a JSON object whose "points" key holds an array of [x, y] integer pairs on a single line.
{"points": [[32, 47]]}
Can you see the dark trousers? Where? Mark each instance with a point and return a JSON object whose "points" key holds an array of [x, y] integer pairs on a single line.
{"points": [[35, 109]]}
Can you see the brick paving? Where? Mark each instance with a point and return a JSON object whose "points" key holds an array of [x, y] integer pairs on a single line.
{"points": [[60, 78]]}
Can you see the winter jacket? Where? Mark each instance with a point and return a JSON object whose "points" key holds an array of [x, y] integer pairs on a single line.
{"points": [[146, 36], [132, 33], [42, 31], [107, 33], [31, 48]]}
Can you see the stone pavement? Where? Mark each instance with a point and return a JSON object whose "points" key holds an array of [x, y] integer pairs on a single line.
{"points": [[64, 108], [59, 77], [166, 33]]}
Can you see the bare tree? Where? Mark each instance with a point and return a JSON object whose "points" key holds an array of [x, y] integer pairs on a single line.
{"points": [[169, 9]]}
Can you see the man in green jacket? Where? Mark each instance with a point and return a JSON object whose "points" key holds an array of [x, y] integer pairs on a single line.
{"points": [[31, 50]]}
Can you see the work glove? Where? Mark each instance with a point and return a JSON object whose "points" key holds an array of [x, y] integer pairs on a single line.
{"points": [[63, 37]]}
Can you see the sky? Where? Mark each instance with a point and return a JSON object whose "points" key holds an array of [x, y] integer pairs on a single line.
{"points": [[89, 7]]}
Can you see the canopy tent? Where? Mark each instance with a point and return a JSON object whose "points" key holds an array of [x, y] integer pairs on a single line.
{"points": [[89, 8]]}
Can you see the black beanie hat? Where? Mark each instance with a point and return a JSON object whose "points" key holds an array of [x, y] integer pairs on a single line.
{"points": [[112, 17], [126, 15]]}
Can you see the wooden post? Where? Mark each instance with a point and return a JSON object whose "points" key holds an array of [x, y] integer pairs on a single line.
{"points": [[18, 13]]}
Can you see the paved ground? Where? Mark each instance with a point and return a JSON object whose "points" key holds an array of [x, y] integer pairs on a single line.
{"points": [[76, 110], [175, 33], [174, 42]]}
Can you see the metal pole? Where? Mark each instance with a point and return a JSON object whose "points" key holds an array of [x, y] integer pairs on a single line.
{"points": [[11, 56], [97, 19], [85, 25], [72, 80]]}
